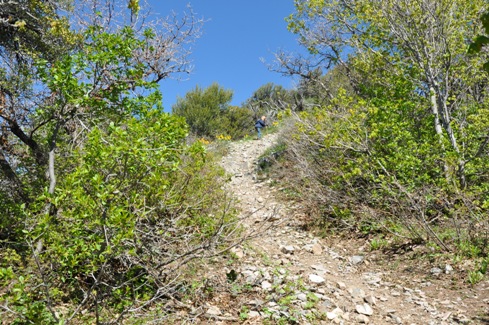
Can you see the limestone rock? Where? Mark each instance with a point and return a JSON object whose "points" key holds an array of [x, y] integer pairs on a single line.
{"points": [[287, 249], [314, 278], [364, 309], [357, 259], [214, 311], [317, 249]]}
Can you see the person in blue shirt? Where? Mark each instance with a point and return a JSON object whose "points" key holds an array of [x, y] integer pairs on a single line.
{"points": [[259, 125]]}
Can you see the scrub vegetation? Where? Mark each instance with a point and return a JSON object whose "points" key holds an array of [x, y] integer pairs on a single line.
{"points": [[109, 204]]}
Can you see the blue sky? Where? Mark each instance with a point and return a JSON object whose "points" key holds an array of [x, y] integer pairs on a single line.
{"points": [[237, 33]]}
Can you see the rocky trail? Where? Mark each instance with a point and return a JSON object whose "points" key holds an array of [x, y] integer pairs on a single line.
{"points": [[285, 275]]}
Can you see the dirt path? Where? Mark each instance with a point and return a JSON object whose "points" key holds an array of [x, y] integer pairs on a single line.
{"points": [[286, 275]]}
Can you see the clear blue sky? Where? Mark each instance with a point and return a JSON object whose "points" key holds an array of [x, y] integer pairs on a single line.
{"points": [[237, 33]]}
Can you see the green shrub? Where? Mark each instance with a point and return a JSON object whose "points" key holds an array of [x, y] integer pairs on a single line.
{"points": [[360, 163], [209, 114], [138, 205]]}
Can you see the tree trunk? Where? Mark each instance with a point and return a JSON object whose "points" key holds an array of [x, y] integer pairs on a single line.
{"points": [[438, 129]]}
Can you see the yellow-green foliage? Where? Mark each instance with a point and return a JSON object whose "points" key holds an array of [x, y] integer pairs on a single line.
{"points": [[133, 202], [137, 203], [381, 155], [208, 113]]}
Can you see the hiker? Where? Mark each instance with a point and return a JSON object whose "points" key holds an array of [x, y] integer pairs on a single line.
{"points": [[259, 125]]}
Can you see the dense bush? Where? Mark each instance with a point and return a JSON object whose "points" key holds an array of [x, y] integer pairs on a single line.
{"points": [[111, 203], [138, 205], [370, 166], [209, 114], [403, 149]]}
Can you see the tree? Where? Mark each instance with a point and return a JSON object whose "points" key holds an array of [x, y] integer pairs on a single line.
{"points": [[481, 41], [50, 101], [268, 100], [203, 108], [406, 144], [101, 196], [425, 40]]}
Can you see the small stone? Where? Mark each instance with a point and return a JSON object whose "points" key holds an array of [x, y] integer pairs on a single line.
{"points": [[364, 309], [462, 319], [448, 268], [266, 275], [357, 259], [446, 316], [327, 303], [265, 285], [238, 252], [256, 302], [330, 315], [319, 268], [316, 278], [338, 311], [396, 319], [302, 297], [287, 249], [362, 319], [317, 249], [214, 311], [371, 300], [254, 314], [436, 271], [357, 293], [341, 285]]}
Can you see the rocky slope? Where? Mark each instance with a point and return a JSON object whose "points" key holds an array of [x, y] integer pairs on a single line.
{"points": [[286, 275]]}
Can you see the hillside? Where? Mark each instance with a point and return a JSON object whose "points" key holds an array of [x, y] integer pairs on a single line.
{"points": [[288, 275]]}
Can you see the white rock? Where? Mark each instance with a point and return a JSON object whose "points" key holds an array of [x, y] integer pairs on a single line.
{"points": [[357, 259], [238, 252], [371, 300], [448, 268], [302, 297], [253, 314], [265, 285], [331, 315], [214, 311], [362, 319], [357, 293], [287, 249], [364, 309], [396, 319], [446, 315], [338, 311], [316, 278], [341, 285], [317, 249]]}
